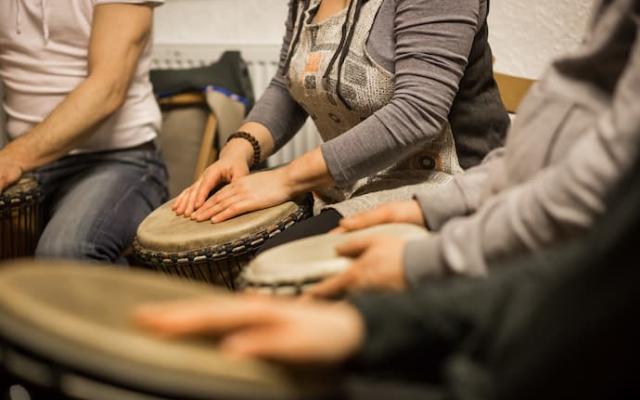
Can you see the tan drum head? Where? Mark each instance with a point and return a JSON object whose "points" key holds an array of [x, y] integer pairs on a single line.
{"points": [[163, 231], [314, 258], [79, 316]]}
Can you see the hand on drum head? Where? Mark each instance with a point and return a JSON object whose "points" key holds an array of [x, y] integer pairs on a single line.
{"points": [[10, 172], [378, 265], [246, 194], [396, 212], [224, 170], [278, 329]]}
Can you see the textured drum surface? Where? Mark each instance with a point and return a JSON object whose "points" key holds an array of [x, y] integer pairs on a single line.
{"points": [[164, 231], [20, 219], [79, 316], [213, 253], [312, 259]]}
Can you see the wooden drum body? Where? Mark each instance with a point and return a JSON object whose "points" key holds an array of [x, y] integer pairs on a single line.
{"points": [[20, 219], [292, 268], [213, 253], [66, 329]]}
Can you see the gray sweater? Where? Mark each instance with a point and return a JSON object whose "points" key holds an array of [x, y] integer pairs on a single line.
{"points": [[442, 64], [576, 134]]}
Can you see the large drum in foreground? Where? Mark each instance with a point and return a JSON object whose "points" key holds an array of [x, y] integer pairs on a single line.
{"points": [[214, 253], [66, 331], [20, 219], [291, 268]]}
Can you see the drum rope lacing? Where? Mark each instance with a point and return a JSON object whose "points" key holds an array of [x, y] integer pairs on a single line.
{"points": [[189, 264]]}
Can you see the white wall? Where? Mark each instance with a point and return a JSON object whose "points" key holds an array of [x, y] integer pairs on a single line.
{"points": [[220, 21], [526, 35]]}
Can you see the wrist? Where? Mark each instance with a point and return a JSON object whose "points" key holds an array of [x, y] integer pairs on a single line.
{"points": [[308, 172], [237, 150], [246, 137], [13, 157]]}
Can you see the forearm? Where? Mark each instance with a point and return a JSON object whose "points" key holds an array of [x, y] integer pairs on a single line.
{"points": [[308, 172], [73, 120], [278, 113]]}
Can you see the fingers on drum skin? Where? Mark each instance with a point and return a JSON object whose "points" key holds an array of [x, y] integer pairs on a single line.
{"points": [[376, 217], [233, 210], [180, 204], [356, 247], [332, 287]]}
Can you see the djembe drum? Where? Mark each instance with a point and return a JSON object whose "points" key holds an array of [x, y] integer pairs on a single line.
{"points": [[214, 253], [20, 219], [66, 332], [292, 268]]}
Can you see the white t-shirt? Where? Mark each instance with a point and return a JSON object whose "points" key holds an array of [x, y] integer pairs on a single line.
{"points": [[44, 55]]}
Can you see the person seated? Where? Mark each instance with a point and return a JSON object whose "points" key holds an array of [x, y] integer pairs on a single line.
{"points": [[555, 325], [401, 91], [575, 134], [82, 119]]}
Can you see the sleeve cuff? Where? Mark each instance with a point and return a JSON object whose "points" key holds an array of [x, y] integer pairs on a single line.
{"points": [[423, 260], [440, 204]]}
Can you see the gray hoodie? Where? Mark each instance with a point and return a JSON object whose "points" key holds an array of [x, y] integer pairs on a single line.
{"points": [[576, 133]]}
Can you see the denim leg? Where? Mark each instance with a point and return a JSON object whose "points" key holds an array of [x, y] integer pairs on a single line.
{"points": [[96, 202]]}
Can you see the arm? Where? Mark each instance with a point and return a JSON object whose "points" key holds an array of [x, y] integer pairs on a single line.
{"points": [[119, 32], [274, 119], [433, 42], [560, 202]]}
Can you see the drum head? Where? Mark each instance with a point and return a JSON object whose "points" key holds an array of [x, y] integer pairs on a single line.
{"points": [[164, 231], [314, 258], [79, 317]]}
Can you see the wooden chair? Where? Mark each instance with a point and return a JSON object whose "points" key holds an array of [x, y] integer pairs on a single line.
{"points": [[512, 90], [187, 139]]}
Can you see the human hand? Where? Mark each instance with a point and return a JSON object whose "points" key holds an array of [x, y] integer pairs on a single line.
{"points": [[395, 212], [378, 265], [245, 194], [279, 329], [227, 169], [10, 172]]}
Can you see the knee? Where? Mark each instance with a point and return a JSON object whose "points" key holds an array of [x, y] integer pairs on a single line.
{"points": [[60, 247]]}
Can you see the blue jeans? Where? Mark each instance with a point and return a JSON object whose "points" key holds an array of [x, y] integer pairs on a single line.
{"points": [[93, 203]]}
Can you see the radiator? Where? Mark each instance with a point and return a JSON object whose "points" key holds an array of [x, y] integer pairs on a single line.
{"points": [[262, 62]]}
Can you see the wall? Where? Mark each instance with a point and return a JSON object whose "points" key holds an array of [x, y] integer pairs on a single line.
{"points": [[526, 35], [221, 21]]}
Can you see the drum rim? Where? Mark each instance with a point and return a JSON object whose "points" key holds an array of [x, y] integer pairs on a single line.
{"points": [[31, 196], [246, 244]]}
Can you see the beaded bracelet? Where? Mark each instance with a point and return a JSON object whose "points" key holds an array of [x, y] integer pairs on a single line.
{"points": [[254, 143]]}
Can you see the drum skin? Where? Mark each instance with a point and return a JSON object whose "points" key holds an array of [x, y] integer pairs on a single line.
{"points": [[77, 317], [20, 219], [213, 253], [164, 231], [293, 267]]}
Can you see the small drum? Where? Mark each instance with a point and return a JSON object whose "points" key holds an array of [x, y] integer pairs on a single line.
{"points": [[292, 268], [20, 219], [66, 332], [213, 253]]}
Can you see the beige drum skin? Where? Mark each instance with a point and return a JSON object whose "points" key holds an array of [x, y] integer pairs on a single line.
{"points": [[291, 268], [69, 326]]}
